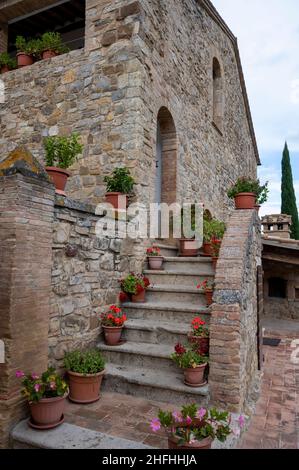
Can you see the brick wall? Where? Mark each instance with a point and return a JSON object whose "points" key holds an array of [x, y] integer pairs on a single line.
{"points": [[234, 322]]}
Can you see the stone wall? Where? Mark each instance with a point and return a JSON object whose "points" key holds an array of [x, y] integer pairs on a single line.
{"points": [[234, 322]]}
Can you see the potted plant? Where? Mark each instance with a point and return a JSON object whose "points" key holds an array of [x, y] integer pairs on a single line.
{"points": [[207, 249], [207, 286], [199, 336], [192, 363], [194, 428], [188, 246], [213, 230], [6, 63], [85, 371], [135, 285], [26, 51], [155, 260], [245, 192], [51, 45], [46, 395], [216, 245], [113, 323], [61, 153], [120, 183]]}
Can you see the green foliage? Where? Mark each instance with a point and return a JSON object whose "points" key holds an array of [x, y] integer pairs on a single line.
{"points": [[189, 360], [49, 385], [263, 194], [120, 181], [213, 228], [6, 60], [249, 185], [62, 151], [288, 196], [88, 362], [21, 44], [52, 41], [133, 284], [31, 47]]}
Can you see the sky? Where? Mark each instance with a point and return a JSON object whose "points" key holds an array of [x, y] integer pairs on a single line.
{"points": [[268, 36]]}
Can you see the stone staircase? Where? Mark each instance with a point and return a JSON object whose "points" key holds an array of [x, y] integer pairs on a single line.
{"points": [[141, 366]]}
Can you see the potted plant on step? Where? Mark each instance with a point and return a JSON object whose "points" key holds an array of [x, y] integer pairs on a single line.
{"points": [[61, 153], [27, 51], [194, 427], [113, 322], [199, 336], [216, 245], [119, 185], [85, 371], [46, 395], [245, 192], [207, 286], [52, 46], [6, 63], [155, 260], [135, 285], [189, 246], [193, 364]]}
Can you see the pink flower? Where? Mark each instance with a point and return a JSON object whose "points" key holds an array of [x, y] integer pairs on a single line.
{"points": [[34, 376], [188, 420], [156, 425], [52, 385], [37, 387], [201, 413], [177, 416], [19, 374], [241, 421]]}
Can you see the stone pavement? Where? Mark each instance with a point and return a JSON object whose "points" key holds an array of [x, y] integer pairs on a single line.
{"points": [[275, 424]]}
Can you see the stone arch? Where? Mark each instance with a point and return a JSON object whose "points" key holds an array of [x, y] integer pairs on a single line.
{"points": [[167, 146], [218, 95]]}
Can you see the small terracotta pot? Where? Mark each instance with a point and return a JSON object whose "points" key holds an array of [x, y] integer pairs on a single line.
{"points": [[4, 69], [245, 201], [117, 200], [215, 261], [59, 178], [207, 248], [112, 334], [48, 411], [173, 443], [49, 54], [85, 388], [187, 248], [209, 297], [155, 262], [195, 377], [139, 298], [202, 343], [24, 59]]}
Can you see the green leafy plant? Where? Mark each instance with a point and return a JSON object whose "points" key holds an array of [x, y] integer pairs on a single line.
{"points": [[263, 194], [248, 185], [62, 151], [213, 229], [134, 284], [52, 41], [21, 44], [87, 362], [48, 385], [120, 181], [31, 47], [187, 358], [6, 60]]}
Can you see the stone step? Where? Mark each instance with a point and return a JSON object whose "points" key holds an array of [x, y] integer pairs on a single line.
{"points": [[188, 266], [158, 311], [177, 278], [149, 331], [179, 295], [153, 384]]}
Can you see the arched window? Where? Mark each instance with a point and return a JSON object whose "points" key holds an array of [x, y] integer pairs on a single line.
{"points": [[218, 101], [277, 288]]}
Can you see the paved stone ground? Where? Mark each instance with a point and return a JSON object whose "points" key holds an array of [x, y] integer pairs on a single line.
{"points": [[275, 424]]}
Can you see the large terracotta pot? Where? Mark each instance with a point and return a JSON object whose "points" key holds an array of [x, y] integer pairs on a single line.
{"points": [[173, 443], [202, 343], [188, 248], [139, 298], [59, 177], [207, 248], [112, 334], [85, 388], [49, 54], [245, 201], [117, 200], [24, 59], [195, 377], [48, 412], [155, 262], [4, 69]]}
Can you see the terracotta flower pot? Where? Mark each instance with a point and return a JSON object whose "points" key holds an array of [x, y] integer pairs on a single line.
{"points": [[48, 412], [59, 178], [85, 388], [4, 69], [245, 201], [24, 59], [202, 343], [207, 248], [139, 298], [173, 443], [209, 297], [112, 334], [195, 377], [49, 54], [117, 200], [188, 248], [155, 262]]}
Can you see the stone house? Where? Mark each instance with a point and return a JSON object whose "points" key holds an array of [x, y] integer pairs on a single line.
{"points": [[156, 85]]}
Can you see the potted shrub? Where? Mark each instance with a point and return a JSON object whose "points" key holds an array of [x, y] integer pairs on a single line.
{"points": [[193, 364], [213, 230], [61, 153], [245, 193], [85, 371], [120, 183], [135, 285], [155, 260], [51, 45], [199, 336], [207, 286], [46, 395], [113, 323], [188, 246], [6, 63], [194, 428], [207, 249], [26, 51]]}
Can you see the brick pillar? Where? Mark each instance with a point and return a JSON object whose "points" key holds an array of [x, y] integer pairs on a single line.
{"points": [[3, 38], [26, 217]]}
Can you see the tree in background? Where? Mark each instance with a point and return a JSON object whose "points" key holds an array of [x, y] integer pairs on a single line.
{"points": [[288, 196]]}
